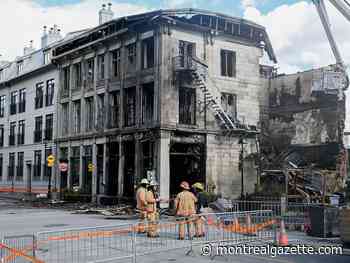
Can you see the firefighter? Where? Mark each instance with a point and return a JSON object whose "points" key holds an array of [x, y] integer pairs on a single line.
{"points": [[198, 189], [185, 207], [142, 204], [152, 214]]}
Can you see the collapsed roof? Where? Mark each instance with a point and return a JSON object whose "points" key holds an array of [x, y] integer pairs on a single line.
{"points": [[200, 20]]}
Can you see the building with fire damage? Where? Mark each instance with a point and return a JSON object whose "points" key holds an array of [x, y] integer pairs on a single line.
{"points": [[169, 94], [302, 136]]}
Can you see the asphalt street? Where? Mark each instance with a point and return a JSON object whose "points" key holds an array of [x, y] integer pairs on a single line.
{"points": [[17, 218]]}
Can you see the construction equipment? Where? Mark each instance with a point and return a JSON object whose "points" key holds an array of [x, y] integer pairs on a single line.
{"points": [[337, 77]]}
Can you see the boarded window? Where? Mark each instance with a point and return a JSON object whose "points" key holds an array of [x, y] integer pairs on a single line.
{"points": [[130, 106], [228, 63], [229, 104], [147, 102], [148, 53], [187, 106]]}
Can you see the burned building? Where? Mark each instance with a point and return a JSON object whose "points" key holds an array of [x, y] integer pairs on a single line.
{"points": [[167, 94], [303, 134]]}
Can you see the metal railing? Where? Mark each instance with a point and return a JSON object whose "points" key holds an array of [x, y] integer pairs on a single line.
{"points": [[293, 214], [122, 242]]}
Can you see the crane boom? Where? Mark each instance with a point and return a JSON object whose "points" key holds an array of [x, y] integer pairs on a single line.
{"points": [[343, 7], [322, 12]]}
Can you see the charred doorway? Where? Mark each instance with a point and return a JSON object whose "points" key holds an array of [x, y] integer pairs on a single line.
{"points": [[129, 168], [113, 169], [187, 163]]}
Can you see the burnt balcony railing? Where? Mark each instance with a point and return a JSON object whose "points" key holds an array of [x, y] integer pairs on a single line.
{"points": [[184, 63]]}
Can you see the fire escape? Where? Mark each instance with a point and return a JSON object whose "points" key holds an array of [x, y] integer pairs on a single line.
{"points": [[198, 71]]}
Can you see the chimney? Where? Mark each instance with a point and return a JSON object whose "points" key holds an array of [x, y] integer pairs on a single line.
{"points": [[50, 37], [105, 15], [29, 49]]}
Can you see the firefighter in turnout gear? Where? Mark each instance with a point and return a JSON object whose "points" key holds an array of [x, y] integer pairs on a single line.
{"points": [[152, 214], [142, 204], [185, 207], [198, 189]]}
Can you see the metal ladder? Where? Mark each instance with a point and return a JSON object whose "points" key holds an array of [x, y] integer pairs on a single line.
{"points": [[211, 93]]}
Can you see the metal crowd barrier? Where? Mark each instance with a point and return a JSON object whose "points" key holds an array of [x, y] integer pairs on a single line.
{"points": [[295, 215], [123, 243], [86, 244]]}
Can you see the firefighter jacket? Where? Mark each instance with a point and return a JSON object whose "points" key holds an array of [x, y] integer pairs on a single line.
{"points": [[185, 203]]}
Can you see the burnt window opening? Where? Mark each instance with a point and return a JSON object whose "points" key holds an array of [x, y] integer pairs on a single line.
{"points": [[130, 107], [187, 50], [147, 157], [77, 75], [228, 63], [65, 118], [147, 103], [90, 73], [66, 78], [89, 102], [246, 31], [100, 111], [148, 53], [187, 106], [76, 116], [221, 24], [101, 66], [229, 104], [116, 60], [114, 108], [131, 49], [75, 165]]}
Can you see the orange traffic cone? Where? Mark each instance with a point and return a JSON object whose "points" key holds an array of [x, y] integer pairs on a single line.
{"points": [[235, 225], [283, 237]]}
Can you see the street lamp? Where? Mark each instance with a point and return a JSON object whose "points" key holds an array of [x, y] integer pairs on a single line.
{"points": [[241, 168]]}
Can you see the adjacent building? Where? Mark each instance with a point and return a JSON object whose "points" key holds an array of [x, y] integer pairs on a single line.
{"points": [[170, 95], [28, 93]]}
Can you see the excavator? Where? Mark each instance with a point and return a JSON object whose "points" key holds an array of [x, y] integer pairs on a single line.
{"points": [[337, 78]]}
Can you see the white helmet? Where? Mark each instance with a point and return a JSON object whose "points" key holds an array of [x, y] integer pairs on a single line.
{"points": [[144, 181], [153, 183]]}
